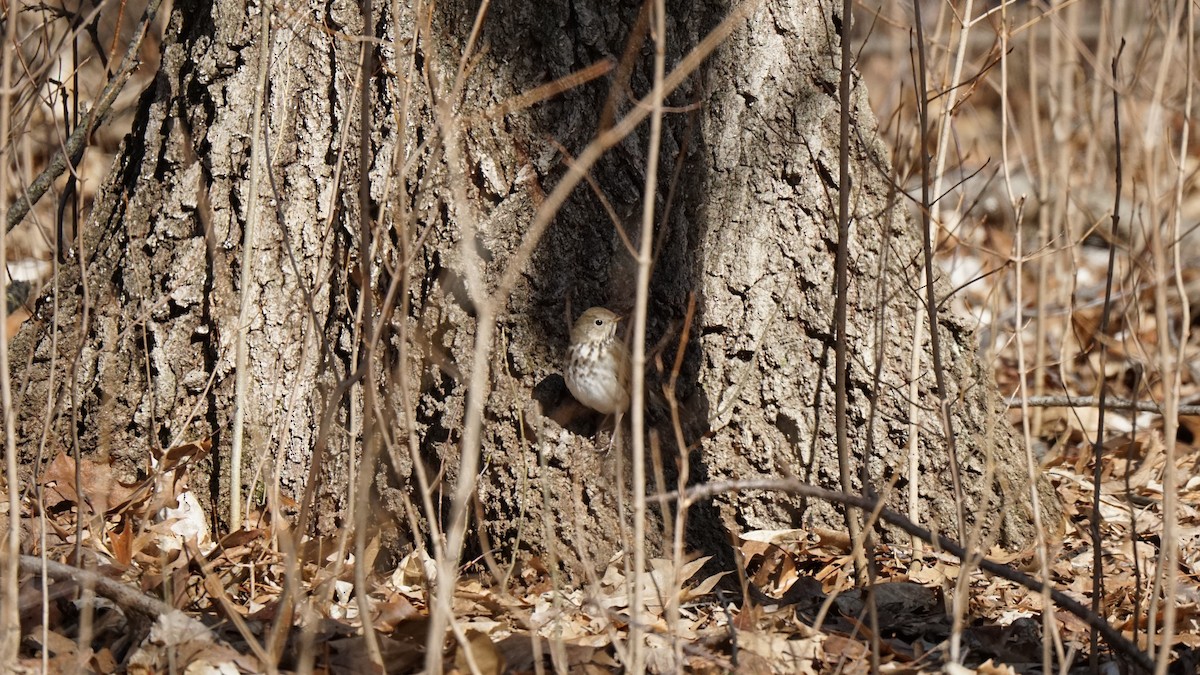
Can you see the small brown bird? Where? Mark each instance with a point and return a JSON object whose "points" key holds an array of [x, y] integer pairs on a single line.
{"points": [[598, 363]]}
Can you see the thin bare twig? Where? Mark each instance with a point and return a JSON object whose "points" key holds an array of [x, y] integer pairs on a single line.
{"points": [[10, 619], [1032, 468], [1098, 446], [122, 594], [370, 439], [1113, 403], [841, 298], [935, 344], [645, 248], [929, 210], [258, 156]]}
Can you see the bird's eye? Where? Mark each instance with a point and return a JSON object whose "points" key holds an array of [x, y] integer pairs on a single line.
{"points": [[599, 322]]}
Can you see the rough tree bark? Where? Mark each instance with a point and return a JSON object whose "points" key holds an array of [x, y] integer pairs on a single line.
{"points": [[746, 222]]}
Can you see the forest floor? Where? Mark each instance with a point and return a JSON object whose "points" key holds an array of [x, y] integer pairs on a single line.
{"points": [[233, 594], [1026, 243]]}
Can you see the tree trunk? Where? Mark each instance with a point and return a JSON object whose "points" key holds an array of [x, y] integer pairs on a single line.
{"points": [[746, 221]]}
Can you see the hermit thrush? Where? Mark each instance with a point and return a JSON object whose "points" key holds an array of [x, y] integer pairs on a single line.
{"points": [[598, 363]]}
